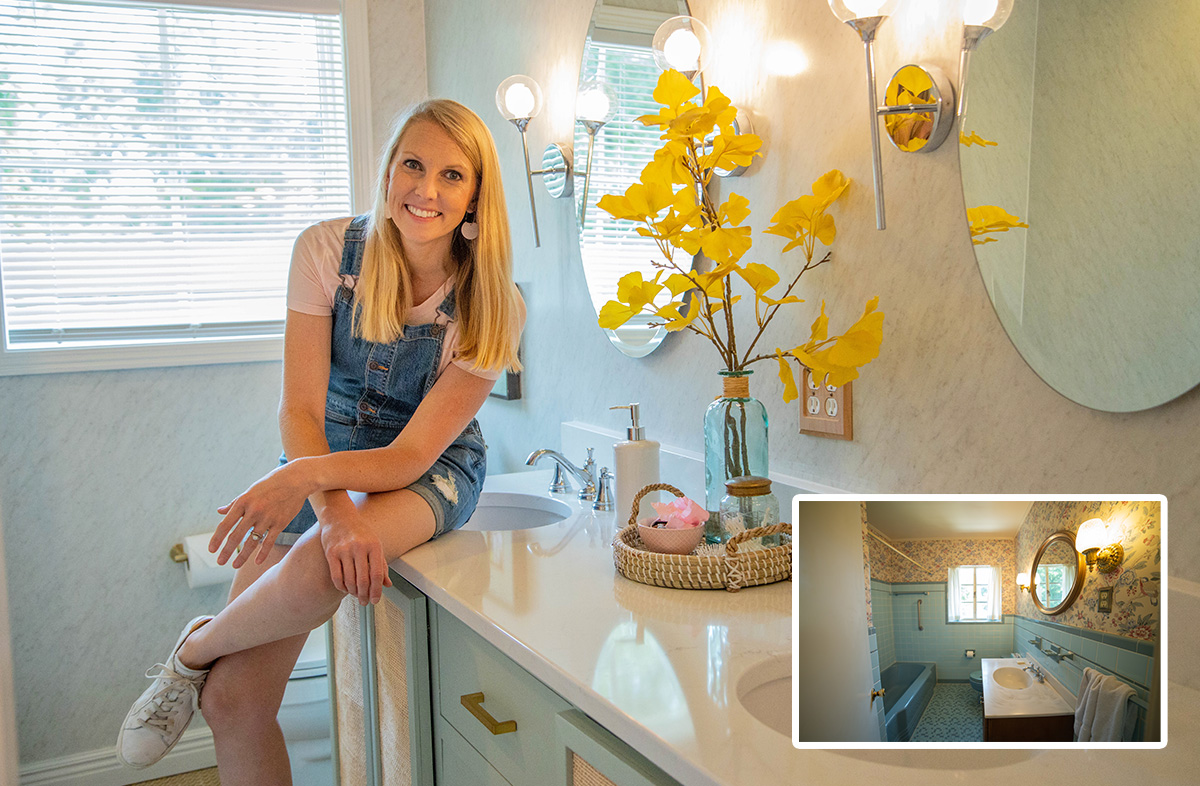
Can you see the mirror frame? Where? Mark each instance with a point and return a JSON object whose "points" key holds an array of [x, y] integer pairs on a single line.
{"points": [[1080, 574]]}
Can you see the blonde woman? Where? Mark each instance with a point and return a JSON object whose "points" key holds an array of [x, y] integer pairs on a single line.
{"points": [[398, 324]]}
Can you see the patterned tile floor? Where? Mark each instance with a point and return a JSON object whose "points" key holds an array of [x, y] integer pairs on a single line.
{"points": [[954, 714]]}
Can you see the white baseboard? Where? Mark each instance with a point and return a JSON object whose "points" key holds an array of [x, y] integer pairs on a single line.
{"points": [[101, 768]]}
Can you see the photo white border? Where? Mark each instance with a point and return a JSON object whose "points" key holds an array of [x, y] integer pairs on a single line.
{"points": [[1160, 651]]}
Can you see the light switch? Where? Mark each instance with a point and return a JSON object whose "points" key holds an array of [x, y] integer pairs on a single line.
{"points": [[826, 410]]}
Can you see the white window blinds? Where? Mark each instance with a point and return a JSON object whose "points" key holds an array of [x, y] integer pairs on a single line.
{"points": [[158, 163]]}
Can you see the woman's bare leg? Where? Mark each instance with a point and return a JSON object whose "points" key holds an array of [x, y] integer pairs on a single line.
{"points": [[297, 594], [242, 695]]}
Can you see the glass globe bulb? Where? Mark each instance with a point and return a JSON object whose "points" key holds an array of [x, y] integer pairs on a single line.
{"points": [[991, 14], [682, 43], [1022, 579], [596, 102], [519, 98], [849, 10], [1092, 534]]}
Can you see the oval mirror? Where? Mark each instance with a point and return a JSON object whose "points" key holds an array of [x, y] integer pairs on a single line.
{"points": [[618, 53], [1057, 574], [1097, 156]]}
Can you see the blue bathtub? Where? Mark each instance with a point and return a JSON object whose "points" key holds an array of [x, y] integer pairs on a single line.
{"points": [[907, 690]]}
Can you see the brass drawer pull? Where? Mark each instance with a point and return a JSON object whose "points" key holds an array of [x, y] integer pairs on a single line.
{"points": [[474, 704]]}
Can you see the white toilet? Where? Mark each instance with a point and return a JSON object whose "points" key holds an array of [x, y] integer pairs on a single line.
{"points": [[304, 716]]}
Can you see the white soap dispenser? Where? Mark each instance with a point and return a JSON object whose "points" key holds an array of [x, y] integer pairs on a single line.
{"points": [[637, 467]]}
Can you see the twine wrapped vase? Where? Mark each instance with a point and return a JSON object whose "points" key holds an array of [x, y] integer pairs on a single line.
{"points": [[735, 443]]}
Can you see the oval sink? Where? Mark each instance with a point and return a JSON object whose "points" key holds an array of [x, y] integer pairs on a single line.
{"points": [[1009, 677], [765, 691], [507, 510]]}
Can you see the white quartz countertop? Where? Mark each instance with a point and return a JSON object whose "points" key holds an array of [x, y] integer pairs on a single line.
{"points": [[1039, 699], [660, 667]]}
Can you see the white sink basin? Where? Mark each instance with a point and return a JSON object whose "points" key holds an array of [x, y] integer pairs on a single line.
{"points": [[765, 691], [507, 510], [1009, 677]]}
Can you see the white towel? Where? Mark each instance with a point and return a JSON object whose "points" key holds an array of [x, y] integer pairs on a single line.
{"points": [[1102, 711]]}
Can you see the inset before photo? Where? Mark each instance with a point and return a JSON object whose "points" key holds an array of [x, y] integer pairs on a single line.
{"points": [[971, 620]]}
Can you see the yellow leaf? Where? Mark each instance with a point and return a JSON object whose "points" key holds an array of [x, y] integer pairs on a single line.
{"points": [[674, 88], [829, 187], [760, 277], [675, 319], [825, 229], [678, 284], [785, 376], [618, 207], [773, 302], [859, 345], [631, 289], [735, 209], [974, 139], [990, 218], [614, 314], [726, 245], [820, 328]]}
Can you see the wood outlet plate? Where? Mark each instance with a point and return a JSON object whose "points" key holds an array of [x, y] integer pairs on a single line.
{"points": [[833, 407]]}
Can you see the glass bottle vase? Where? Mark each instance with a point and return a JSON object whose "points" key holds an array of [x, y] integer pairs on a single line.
{"points": [[735, 444]]}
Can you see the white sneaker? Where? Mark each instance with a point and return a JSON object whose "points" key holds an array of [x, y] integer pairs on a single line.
{"points": [[158, 718]]}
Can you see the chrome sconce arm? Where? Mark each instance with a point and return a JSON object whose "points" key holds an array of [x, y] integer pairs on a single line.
{"points": [[519, 99], [595, 107], [930, 120]]}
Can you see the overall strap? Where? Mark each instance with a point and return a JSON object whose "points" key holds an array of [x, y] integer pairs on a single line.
{"points": [[354, 245]]}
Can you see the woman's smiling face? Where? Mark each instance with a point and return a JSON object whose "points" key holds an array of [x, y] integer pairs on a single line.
{"points": [[431, 186]]}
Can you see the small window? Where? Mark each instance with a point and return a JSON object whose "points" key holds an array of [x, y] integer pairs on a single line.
{"points": [[1053, 583], [973, 594], [159, 162]]}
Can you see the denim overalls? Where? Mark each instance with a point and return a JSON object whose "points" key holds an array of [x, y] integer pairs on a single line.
{"points": [[374, 390]]}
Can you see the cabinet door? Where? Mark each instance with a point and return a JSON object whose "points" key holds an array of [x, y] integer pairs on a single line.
{"points": [[346, 673], [461, 765], [587, 754], [402, 684]]}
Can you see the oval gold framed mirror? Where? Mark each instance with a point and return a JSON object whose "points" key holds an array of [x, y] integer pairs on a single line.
{"points": [[1057, 574]]}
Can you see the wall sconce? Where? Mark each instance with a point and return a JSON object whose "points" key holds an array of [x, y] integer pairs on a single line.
{"points": [[519, 99], [681, 43], [980, 19], [1023, 582], [919, 100], [595, 105], [1098, 544]]}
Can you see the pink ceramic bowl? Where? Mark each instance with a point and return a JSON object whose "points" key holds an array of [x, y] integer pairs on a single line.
{"points": [[670, 541]]}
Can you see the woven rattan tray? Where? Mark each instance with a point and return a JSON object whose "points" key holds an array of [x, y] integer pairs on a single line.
{"points": [[730, 570]]}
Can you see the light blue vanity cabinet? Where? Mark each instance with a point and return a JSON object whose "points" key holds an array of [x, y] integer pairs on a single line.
{"points": [[417, 718]]}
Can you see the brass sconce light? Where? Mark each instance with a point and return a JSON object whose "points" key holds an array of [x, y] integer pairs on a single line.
{"points": [[1099, 545], [519, 99], [918, 107], [1023, 582]]}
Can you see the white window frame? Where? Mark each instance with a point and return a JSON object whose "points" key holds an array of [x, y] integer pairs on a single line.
{"points": [[975, 583], [355, 48]]}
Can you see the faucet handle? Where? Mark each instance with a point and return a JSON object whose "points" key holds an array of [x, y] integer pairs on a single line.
{"points": [[559, 484], [604, 495], [588, 490]]}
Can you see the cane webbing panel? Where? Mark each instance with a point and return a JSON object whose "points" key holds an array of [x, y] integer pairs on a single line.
{"points": [[584, 774], [391, 657], [347, 672]]}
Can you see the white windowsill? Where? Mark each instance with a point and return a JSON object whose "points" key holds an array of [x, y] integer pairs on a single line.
{"points": [[196, 353]]}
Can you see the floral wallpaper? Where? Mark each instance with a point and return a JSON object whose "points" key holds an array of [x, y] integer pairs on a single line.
{"points": [[1137, 583], [938, 556]]}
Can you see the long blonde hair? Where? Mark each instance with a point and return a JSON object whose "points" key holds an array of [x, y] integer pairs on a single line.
{"points": [[485, 297]]}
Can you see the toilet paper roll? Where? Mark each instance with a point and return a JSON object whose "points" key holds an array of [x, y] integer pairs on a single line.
{"points": [[201, 566]]}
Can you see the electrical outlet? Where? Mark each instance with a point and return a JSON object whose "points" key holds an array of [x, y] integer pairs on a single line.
{"points": [[825, 411]]}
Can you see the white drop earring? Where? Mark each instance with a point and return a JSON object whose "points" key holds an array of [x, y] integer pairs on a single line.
{"points": [[470, 229]]}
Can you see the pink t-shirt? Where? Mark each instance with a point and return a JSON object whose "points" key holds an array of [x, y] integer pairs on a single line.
{"points": [[314, 279]]}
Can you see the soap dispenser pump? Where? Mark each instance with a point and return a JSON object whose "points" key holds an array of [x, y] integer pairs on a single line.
{"points": [[637, 466]]}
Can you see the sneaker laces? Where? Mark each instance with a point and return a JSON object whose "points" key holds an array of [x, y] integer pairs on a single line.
{"points": [[159, 711]]}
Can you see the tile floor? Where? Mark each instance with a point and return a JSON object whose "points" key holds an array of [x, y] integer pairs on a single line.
{"points": [[954, 714]]}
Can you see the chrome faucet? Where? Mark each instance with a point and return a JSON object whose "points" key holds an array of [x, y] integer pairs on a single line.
{"points": [[1036, 671], [586, 477]]}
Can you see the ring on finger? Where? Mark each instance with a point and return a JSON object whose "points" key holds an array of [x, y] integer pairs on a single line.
{"points": [[256, 535]]}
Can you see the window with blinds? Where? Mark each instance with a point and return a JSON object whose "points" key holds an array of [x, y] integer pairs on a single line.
{"points": [[623, 147], [158, 162]]}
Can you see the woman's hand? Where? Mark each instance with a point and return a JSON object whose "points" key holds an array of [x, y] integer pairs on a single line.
{"points": [[260, 512], [355, 556]]}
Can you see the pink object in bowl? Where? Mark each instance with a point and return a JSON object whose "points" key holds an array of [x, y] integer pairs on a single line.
{"points": [[670, 541]]}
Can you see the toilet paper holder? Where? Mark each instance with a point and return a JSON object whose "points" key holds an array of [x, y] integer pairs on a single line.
{"points": [[177, 553]]}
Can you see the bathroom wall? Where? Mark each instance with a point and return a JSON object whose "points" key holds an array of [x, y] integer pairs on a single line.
{"points": [[949, 406], [1137, 583], [885, 631], [939, 555], [101, 472], [942, 642]]}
